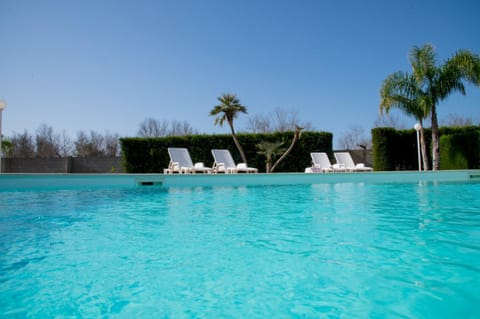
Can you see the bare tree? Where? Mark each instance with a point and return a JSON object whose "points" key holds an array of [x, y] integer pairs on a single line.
{"points": [[89, 146], [280, 120], [284, 120], [23, 145], [259, 124], [389, 120], [97, 145], [65, 146], [47, 142], [180, 128], [112, 145], [151, 127], [455, 120], [354, 138]]}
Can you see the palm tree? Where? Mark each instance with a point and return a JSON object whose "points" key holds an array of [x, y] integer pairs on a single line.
{"points": [[400, 90], [430, 84], [228, 110], [270, 150]]}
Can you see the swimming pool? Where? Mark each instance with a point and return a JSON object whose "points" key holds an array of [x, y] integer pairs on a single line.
{"points": [[347, 249]]}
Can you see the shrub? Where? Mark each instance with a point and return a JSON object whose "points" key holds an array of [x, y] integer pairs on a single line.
{"points": [[460, 150], [384, 141]]}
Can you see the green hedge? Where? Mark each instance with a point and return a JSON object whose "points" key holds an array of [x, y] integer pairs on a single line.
{"points": [[384, 150], [149, 155], [397, 149], [458, 150]]}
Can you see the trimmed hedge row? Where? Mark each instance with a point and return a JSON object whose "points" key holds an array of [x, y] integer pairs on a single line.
{"points": [[149, 155], [460, 150], [397, 149]]}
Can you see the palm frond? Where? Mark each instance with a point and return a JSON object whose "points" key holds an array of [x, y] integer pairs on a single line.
{"points": [[229, 107], [466, 64], [423, 61], [270, 149], [401, 90]]}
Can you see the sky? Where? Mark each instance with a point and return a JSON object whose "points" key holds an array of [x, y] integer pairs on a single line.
{"points": [[82, 65]]}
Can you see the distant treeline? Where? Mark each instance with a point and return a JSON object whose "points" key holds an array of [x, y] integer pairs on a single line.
{"points": [[45, 143]]}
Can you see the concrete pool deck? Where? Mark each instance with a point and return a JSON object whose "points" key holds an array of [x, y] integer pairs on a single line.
{"points": [[49, 181]]}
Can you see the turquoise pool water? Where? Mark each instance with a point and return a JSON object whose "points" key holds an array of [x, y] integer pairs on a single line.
{"points": [[337, 250]]}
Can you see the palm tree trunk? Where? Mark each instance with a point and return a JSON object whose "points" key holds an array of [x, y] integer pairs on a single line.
{"points": [[424, 149], [296, 137], [435, 140], [237, 143], [268, 168]]}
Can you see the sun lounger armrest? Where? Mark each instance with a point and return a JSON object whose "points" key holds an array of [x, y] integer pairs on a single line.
{"points": [[242, 165], [199, 165], [219, 167]]}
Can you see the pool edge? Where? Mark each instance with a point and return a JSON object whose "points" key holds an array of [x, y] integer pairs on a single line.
{"points": [[46, 181]]}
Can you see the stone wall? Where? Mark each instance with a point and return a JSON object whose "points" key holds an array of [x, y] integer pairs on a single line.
{"points": [[361, 156], [107, 164], [63, 165]]}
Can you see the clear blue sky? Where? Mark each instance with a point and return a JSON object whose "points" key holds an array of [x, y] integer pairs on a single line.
{"points": [[107, 65]]}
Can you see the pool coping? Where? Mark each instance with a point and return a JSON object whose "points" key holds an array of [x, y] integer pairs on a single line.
{"points": [[47, 181]]}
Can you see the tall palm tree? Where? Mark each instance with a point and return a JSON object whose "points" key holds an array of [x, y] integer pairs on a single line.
{"points": [[400, 90], [431, 84], [228, 110]]}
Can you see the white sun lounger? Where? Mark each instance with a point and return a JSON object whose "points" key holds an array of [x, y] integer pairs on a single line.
{"points": [[321, 164], [344, 158], [224, 163], [181, 162]]}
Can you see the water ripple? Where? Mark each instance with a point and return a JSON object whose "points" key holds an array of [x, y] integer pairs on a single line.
{"points": [[333, 251]]}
